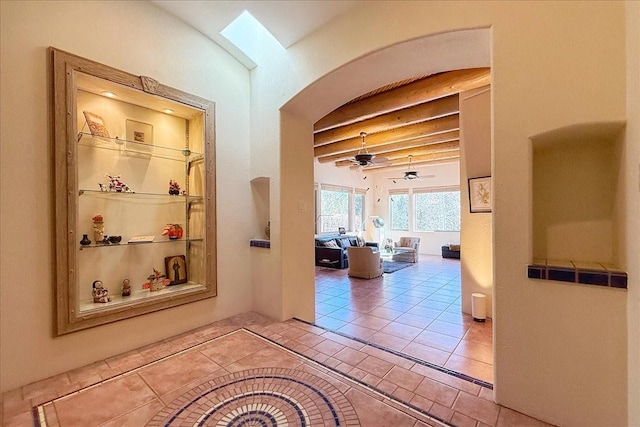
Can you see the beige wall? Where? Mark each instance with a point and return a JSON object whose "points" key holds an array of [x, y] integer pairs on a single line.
{"points": [[139, 38], [553, 64], [630, 246], [476, 234]]}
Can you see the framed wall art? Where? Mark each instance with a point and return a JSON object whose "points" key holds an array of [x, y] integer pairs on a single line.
{"points": [[480, 194], [96, 124], [139, 136], [176, 269]]}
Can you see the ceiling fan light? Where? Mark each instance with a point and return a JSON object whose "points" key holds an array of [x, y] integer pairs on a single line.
{"points": [[411, 175], [363, 158]]}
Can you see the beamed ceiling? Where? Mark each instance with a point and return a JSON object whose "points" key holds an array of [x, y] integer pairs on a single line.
{"points": [[417, 118]]}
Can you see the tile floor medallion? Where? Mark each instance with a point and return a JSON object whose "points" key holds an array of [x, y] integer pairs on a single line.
{"points": [[251, 371], [261, 397], [252, 382]]}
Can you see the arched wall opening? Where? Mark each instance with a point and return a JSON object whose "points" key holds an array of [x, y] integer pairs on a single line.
{"points": [[467, 48]]}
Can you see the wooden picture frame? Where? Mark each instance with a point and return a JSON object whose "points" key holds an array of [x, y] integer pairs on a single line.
{"points": [[480, 194], [176, 269], [139, 136]]}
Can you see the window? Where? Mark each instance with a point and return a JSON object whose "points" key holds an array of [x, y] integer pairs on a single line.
{"points": [[358, 202], [437, 210], [399, 211], [334, 209]]}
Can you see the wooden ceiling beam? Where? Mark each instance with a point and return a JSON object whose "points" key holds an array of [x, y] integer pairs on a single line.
{"points": [[383, 150], [430, 127], [416, 161], [400, 155], [407, 116], [418, 92]]}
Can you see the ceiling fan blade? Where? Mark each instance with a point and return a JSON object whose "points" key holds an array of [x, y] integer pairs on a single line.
{"points": [[378, 160], [354, 167]]}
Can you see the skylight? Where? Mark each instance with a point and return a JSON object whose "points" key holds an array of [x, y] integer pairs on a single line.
{"points": [[245, 32]]}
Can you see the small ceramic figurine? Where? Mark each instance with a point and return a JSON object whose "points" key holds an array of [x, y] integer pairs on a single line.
{"points": [[156, 281], [174, 188], [173, 231], [100, 294], [98, 229], [115, 184], [126, 288]]}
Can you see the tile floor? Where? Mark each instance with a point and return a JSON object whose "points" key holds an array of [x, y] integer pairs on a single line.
{"points": [[415, 311], [249, 370]]}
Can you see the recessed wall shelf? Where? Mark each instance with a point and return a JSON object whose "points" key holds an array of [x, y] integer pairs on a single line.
{"points": [[576, 205], [167, 163]]}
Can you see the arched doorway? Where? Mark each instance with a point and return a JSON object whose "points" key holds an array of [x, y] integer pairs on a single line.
{"points": [[422, 56]]}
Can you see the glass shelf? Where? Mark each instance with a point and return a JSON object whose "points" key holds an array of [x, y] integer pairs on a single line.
{"points": [[121, 244], [119, 144], [175, 197], [137, 295]]}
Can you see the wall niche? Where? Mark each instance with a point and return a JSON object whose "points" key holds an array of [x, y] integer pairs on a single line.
{"points": [[576, 206]]}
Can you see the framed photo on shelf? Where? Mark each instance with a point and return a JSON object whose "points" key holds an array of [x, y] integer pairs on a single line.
{"points": [[480, 194], [176, 269], [96, 124], [139, 136]]}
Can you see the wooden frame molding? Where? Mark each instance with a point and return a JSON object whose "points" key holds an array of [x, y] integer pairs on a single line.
{"points": [[68, 317]]}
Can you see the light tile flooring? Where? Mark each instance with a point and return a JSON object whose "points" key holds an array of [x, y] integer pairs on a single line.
{"points": [[416, 311], [181, 380]]}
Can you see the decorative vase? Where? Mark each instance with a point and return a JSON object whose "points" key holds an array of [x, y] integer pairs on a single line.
{"points": [[98, 231], [85, 240], [267, 230]]}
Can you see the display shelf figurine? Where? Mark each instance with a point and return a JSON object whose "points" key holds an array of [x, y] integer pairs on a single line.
{"points": [[98, 229], [156, 281], [173, 231], [100, 294], [126, 288], [115, 184], [174, 188]]}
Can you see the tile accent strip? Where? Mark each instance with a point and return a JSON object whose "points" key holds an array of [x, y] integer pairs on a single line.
{"points": [[607, 277], [260, 243], [406, 356]]}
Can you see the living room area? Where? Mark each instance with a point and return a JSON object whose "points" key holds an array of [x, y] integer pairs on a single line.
{"points": [[391, 234]]}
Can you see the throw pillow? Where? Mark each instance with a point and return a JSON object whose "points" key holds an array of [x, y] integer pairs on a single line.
{"points": [[361, 242], [343, 243], [331, 244]]}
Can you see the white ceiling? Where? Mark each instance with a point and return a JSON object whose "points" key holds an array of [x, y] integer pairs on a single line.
{"points": [[287, 20]]}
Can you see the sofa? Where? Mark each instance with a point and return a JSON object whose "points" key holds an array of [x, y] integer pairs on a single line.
{"points": [[451, 251], [364, 262], [406, 249], [331, 250]]}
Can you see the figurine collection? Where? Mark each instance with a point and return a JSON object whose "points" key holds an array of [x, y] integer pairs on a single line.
{"points": [[115, 184], [156, 280]]}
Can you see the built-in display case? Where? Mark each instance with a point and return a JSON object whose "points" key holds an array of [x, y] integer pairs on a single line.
{"points": [[135, 194]]}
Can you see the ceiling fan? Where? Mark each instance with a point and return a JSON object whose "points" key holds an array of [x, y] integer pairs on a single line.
{"points": [[411, 174], [364, 158]]}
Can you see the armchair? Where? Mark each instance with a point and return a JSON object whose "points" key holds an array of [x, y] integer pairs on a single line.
{"points": [[406, 249], [364, 262]]}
